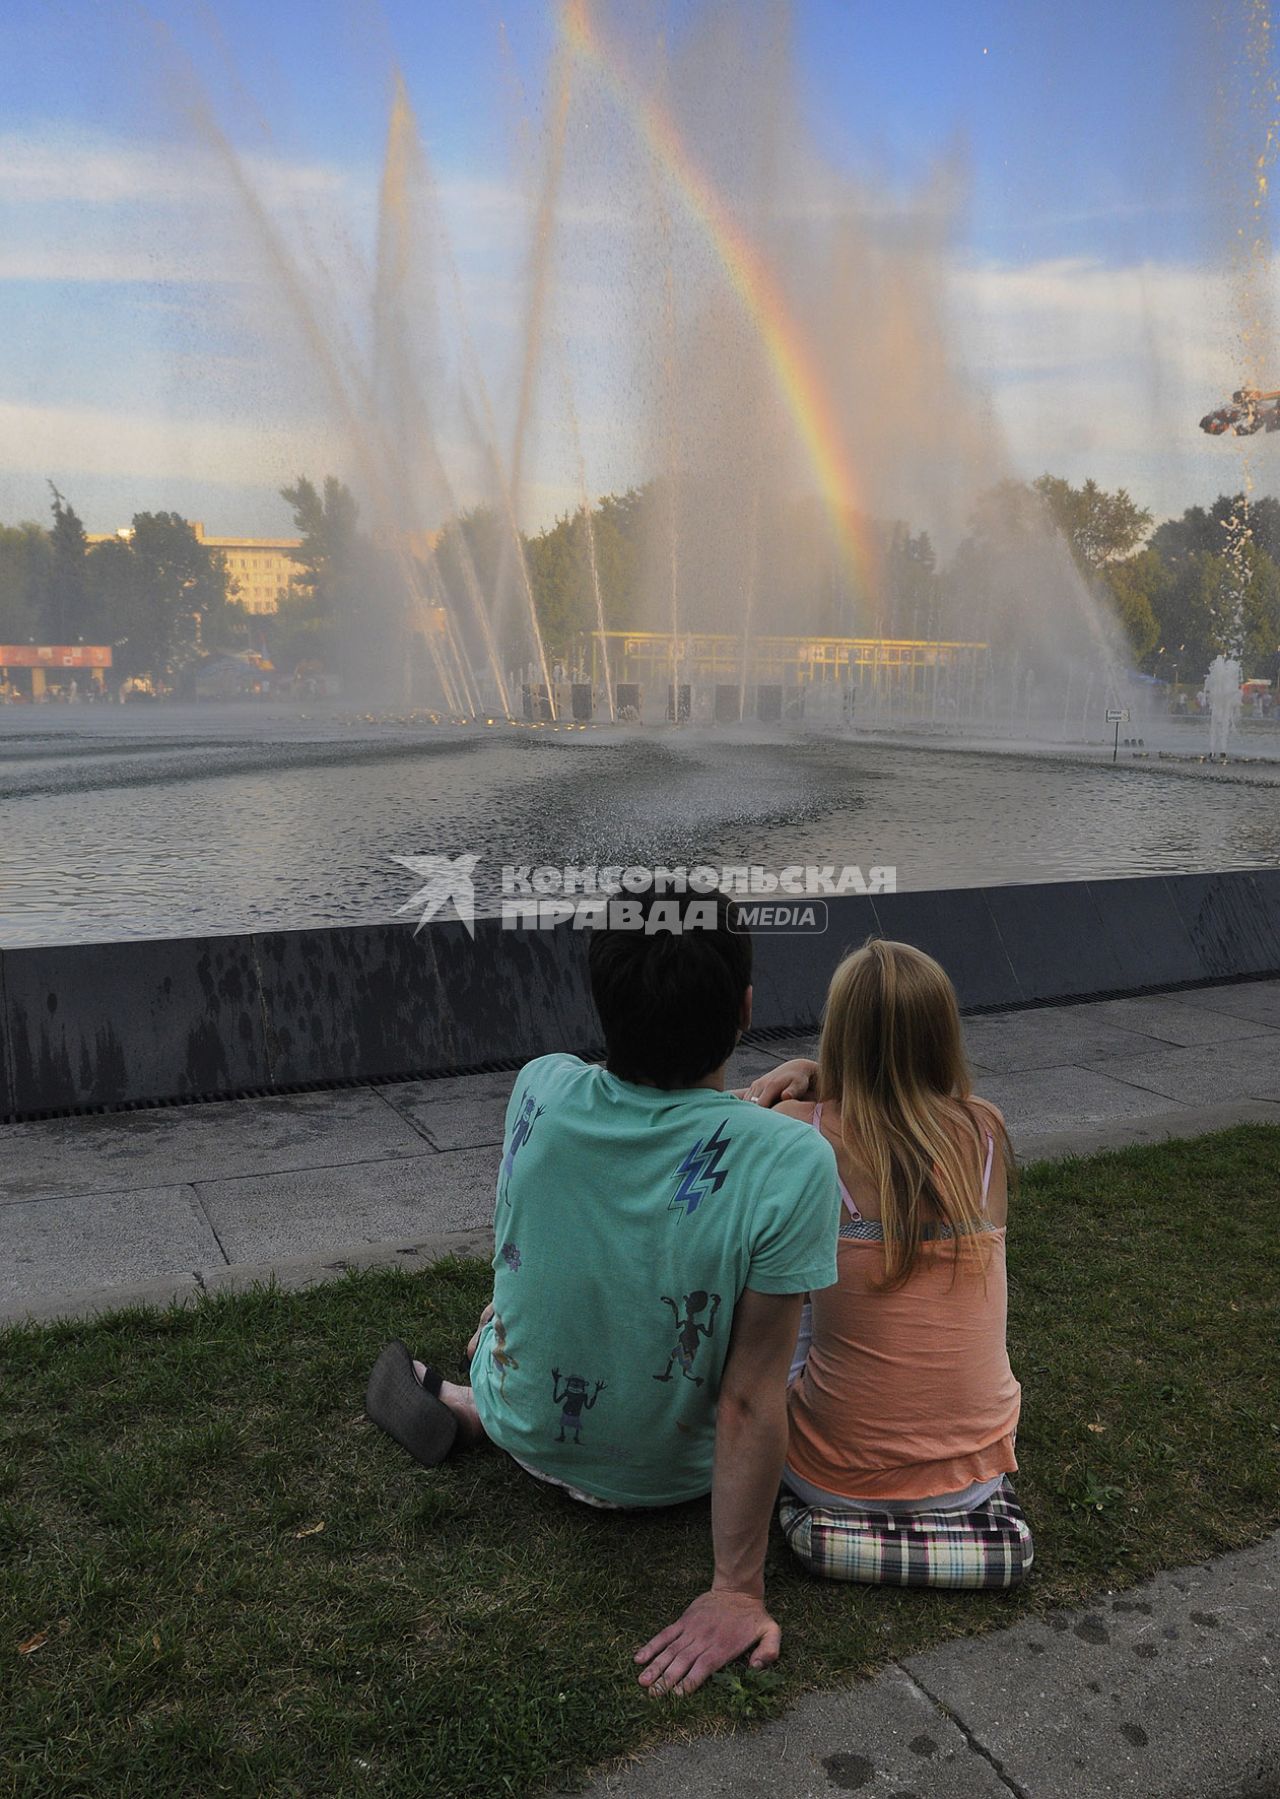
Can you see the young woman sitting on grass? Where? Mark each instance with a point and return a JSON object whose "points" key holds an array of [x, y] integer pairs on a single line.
{"points": [[903, 1406]]}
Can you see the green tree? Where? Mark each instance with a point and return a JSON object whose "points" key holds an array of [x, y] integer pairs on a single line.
{"points": [[559, 563], [1222, 567], [25, 558], [328, 522], [994, 565], [350, 607], [465, 562], [1236, 603], [1102, 530], [1261, 618], [1100, 527], [1211, 531], [621, 522], [1138, 586], [909, 572], [161, 596], [65, 615], [112, 587], [625, 527]]}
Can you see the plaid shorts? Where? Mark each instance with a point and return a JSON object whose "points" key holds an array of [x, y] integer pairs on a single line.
{"points": [[987, 1547]]}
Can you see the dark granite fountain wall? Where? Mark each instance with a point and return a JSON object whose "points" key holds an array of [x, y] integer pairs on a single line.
{"points": [[90, 1025]]}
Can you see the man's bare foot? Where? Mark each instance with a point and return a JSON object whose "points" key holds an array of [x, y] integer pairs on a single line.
{"points": [[461, 1403]]}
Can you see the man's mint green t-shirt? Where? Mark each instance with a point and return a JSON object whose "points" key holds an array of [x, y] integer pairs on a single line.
{"points": [[628, 1222]]}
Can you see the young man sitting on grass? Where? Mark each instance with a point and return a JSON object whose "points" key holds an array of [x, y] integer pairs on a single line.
{"points": [[654, 1240]]}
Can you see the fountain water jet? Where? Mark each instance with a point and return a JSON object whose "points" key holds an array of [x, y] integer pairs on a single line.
{"points": [[589, 530], [1222, 689]]}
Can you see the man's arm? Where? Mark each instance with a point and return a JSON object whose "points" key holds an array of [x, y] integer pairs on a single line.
{"points": [[751, 1446], [797, 1079]]}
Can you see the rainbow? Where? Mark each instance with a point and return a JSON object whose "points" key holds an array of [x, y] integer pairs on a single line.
{"points": [[798, 375]]}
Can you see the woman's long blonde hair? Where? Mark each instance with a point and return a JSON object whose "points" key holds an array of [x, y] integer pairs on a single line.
{"points": [[892, 1059]]}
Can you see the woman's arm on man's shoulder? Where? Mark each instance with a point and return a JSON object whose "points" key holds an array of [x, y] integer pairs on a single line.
{"points": [[794, 1080]]}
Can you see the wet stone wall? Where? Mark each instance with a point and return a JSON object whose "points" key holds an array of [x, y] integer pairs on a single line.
{"points": [[89, 1025]]}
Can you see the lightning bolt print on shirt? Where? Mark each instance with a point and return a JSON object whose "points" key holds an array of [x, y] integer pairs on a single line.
{"points": [[700, 1173]]}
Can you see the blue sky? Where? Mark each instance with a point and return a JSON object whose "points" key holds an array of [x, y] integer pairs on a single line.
{"points": [[1101, 156]]}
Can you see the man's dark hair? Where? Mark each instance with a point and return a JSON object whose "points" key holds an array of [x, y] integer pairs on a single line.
{"points": [[671, 1002]]}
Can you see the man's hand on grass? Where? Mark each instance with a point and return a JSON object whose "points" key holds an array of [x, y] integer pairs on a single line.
{"points": [[718, 1627]]}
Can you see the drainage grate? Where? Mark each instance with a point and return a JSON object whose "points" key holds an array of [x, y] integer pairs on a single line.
{"points": [[171, 1102]]}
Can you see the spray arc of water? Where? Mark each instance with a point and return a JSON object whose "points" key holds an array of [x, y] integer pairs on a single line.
{"points": [[399, 387], [587, 515], [758, 287]]}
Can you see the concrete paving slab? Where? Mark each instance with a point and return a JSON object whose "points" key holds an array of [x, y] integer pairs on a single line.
{"points": [[291, 1273], [1047, 1037], [807, 1045], [263, 1219], [1166, 1016], [751, 1061], [1050, 1099], [883, 1739], [1122, 1133], [451, 1114], [786, 1047], [50, 1246], [297, 1272], [1245, 1068], [1172, 1688], [455, 1122], [1258, 1000], [125, 1150]]}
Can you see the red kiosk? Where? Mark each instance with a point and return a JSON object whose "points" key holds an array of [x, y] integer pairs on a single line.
{"points": [[51, 665]]}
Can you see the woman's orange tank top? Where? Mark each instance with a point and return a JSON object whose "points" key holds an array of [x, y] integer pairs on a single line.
{"points": [[906, 1394]]}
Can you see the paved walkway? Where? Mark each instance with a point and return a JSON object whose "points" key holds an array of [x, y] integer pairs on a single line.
{"points": [[145, 1205], [1168, 1691]]}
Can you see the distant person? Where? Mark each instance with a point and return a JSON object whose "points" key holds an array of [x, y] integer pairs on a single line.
{"points": [[904, 1407], [654, 1241]]}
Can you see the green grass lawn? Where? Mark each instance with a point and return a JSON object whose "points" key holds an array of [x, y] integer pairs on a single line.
{"points": [[235, 1584]]}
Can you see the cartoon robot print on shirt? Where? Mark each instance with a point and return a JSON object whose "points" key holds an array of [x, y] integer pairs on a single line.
{"points": [[689, 1333], [529, 1114], [573, 1402], [503, 1360]]}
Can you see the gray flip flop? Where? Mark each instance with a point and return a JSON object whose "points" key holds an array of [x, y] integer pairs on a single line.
{"points": [[418, 1420]]}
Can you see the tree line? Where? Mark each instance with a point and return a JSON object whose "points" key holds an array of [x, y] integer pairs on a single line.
{"points": [[1182, 592], [158, 597]]}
